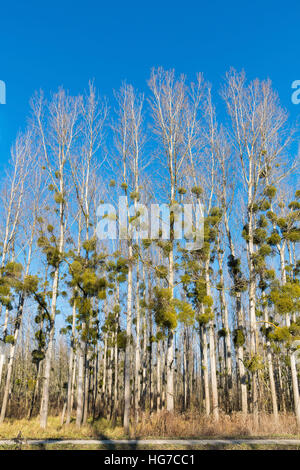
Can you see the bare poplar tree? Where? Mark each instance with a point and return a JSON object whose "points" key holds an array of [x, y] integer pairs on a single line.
{"points": [[56, 126]]}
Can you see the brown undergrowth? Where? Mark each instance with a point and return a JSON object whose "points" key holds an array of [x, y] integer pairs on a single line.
{"points": [[158, 425], [195, 425]]}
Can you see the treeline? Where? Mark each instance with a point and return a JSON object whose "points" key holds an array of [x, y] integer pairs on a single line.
{"points": [[121, 326]]}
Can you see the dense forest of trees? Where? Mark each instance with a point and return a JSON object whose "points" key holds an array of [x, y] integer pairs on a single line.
{"points": [[118, 327]]}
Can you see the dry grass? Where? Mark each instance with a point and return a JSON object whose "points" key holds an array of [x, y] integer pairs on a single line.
{"points": [[158, 425], [99, 429], [194, 425]]}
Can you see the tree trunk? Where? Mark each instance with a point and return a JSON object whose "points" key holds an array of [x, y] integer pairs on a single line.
{"points": [[80, 385], [128, 345], [203, 341], [170, 346], [11, 359]]}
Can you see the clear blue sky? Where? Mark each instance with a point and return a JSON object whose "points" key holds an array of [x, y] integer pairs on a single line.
{"points": [[47, 44]]}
